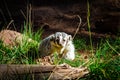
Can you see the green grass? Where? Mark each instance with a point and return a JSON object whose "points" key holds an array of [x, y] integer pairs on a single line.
{"points": [[23, 53], [81, 44], [103, 65]]}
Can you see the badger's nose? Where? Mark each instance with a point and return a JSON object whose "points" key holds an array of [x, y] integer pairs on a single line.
{"points": [[58, 42]]}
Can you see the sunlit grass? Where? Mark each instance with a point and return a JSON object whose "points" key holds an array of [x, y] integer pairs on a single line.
{"points": [[105, 64], [23, 53]]}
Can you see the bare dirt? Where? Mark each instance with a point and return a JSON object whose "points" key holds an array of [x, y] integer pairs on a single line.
{"points": [[60, 15]]}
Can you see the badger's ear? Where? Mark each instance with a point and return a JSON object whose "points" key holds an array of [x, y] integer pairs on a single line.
{"points": [[70, 37]]}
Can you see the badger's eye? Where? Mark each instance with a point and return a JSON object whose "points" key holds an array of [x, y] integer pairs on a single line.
{"points": [[54, 41], [57, 37], [63, 39], [60, 34]]}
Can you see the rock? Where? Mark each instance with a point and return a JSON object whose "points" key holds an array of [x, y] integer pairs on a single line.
{"points": [[12, 38]]}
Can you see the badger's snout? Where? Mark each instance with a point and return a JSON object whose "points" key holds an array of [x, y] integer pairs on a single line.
{"points": [[58, 41]]}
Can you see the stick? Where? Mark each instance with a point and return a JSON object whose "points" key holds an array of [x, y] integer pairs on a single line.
{"points": [[78, 26]]}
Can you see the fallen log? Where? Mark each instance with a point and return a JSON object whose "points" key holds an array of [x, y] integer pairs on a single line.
{"points": [[40, 72]]}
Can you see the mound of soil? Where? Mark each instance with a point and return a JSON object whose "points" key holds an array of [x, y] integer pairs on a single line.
{"points": [[10, 38]]}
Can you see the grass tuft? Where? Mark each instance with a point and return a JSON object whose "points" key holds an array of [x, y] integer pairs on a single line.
{"points": [[23, 53]]}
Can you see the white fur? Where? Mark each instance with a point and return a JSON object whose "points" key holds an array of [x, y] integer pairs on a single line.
{"points": [[70, 51]]}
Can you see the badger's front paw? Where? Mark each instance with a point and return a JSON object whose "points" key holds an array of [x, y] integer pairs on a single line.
{"points": [[70, 56]]}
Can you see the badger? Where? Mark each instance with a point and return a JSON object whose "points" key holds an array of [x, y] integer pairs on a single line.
{"points": [[60, 42]]}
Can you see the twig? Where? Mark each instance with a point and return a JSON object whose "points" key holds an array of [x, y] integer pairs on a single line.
{"points": [[78, 26], [9, 14], [10, 23], [23, 14]]}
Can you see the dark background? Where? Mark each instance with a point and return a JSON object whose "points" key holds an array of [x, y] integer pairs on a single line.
{"points": [[59, 15]]}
